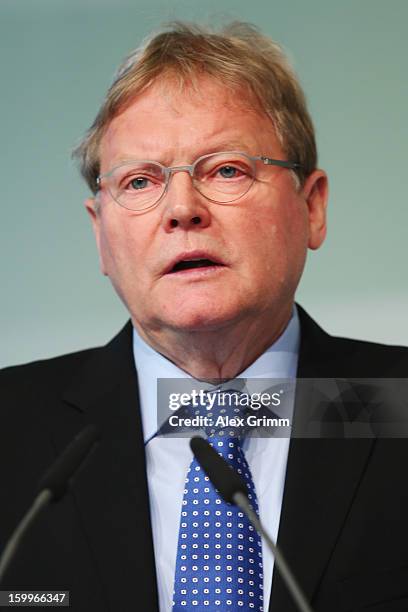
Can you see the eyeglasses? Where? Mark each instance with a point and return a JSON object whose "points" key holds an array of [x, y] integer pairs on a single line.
{"points": [[222, 178]]}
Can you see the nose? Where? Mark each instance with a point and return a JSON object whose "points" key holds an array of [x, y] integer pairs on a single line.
{"points": [[184, 207]]}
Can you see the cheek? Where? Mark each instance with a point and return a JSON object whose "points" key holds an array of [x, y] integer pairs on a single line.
{"points": [[278, 240], [119, 247]]}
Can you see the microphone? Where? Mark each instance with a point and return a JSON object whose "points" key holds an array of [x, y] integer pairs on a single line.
{"points": [[52, 487], [58, 476], [232, 489]]}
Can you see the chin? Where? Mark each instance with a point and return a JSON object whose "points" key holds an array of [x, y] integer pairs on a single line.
{"points": [[205, 319]]}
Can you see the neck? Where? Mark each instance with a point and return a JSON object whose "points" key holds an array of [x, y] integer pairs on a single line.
{"points": [[222, 353]]}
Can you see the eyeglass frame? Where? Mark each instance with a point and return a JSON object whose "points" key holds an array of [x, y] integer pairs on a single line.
{"points": [[170, 170]]}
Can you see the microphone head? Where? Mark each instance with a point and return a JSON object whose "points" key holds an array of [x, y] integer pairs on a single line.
{"points": [[59, 475], [222, 475]]}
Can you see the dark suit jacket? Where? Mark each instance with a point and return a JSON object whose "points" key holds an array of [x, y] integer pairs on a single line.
{"points": [[345, 509]]}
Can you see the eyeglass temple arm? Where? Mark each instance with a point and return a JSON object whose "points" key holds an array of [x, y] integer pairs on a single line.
{"points": [[279, 162]]}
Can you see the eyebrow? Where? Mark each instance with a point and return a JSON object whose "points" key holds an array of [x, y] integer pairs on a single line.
{"points": [[224, 145]]}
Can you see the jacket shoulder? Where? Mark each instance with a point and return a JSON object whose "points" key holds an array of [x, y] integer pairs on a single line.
{"points": [[334, 356], [52, 374], [41, 383], [364, 346], [379, 359]]}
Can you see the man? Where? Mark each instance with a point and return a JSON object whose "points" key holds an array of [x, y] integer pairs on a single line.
{"points": [[206, 197]]}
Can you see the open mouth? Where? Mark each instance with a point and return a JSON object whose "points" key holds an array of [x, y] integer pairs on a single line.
{"points": [[191, 264]]}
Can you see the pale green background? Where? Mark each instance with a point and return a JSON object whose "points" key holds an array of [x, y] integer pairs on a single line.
{"points": [[57, 58]]}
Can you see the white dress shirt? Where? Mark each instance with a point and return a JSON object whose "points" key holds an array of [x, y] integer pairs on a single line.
{"points": [[168, 458]]}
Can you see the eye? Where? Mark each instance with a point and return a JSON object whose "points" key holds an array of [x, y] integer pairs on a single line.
{"points": [[228, 171], [231, 171], [139, 182]]}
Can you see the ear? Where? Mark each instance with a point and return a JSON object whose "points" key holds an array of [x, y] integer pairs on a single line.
{"points": [[315, 192], [91, 205]]}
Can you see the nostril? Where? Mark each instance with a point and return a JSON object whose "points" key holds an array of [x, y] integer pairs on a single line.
{"points": [[196, 220], [174, 223]]}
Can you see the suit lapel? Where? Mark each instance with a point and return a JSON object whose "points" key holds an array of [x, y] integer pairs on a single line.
{"points": [[112, 494], [322, 476]]}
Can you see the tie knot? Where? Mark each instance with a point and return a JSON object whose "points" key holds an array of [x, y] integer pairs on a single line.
{"points": [[224, 415]]}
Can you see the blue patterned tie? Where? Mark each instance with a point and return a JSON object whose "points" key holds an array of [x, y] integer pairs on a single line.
{"points": [[219, 556]]}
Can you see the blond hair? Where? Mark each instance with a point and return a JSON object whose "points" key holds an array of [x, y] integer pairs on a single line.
{"points": [[239, 57]]}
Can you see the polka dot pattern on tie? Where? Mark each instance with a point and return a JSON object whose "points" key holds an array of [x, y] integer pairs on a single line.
{"points": [[219, 557]]}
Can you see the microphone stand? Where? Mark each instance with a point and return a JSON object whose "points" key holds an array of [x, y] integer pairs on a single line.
{"points": [[294, 589], [53, 487], [42, 500]]}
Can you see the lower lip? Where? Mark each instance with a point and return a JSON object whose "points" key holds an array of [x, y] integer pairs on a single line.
{"points": [[197, 272]]}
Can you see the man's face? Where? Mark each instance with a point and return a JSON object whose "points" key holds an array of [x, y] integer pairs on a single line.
{"points": [[260, 240]]}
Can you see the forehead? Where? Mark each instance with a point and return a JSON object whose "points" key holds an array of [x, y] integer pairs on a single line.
{"points": [[173, 126]]}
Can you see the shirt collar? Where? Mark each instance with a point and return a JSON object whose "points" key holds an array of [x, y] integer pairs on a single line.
{"points": [[278, 361]]}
